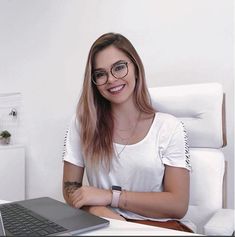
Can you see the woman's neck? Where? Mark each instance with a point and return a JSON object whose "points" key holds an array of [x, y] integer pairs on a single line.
{"points": [[125, 116]]}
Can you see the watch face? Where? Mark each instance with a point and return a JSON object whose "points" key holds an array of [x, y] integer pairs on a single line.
{"points": [[118, 188]]}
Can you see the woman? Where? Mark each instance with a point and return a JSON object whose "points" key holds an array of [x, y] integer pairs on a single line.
{"points": [[136, 158]]}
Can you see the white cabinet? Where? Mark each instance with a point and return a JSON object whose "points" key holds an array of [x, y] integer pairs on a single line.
{"points": [[12, 172]]}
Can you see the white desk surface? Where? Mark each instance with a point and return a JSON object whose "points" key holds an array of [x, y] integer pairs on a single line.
{"points": [[124, 228]]}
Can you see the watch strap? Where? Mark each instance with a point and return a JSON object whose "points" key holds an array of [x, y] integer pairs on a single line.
{"points": [[116, 190]]}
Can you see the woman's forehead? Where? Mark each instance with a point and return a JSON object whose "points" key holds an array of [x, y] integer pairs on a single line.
{"points": [[108, 56]]}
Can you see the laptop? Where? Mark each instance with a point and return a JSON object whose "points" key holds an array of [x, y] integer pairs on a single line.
{"points": [[45, 216], [2, 229]]}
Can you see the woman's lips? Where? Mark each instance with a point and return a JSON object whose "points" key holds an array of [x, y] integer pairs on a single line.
{"points": [[116, 89]]}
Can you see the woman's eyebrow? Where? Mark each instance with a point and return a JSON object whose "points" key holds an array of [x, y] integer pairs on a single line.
{"points": [[103, 69], [119, 61]]}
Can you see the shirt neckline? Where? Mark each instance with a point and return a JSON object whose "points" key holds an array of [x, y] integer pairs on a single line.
{"points": [[144, 138]]}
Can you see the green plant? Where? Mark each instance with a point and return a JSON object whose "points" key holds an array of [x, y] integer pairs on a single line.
{"points": [[5, 134]]}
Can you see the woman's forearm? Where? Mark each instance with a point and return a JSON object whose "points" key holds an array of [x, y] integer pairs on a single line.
{"points": [[155, 205], [68, 189], [172, 202], [103, 211]]}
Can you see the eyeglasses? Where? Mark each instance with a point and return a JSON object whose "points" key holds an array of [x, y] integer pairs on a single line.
{"points": [[119, 70]]}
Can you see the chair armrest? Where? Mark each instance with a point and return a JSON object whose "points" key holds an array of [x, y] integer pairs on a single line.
{"points": [[221, 223]]}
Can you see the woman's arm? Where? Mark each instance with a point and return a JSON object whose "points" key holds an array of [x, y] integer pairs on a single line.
{"points": [[72, 188], [72, 179], [103, 212], [171, 203], [77, 195]]}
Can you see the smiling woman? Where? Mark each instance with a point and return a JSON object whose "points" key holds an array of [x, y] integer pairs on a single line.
{"points": [[121, 79], [136, 159]]}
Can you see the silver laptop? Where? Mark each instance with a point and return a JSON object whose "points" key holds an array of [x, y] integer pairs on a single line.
{"points": [[2, 229], [46, 216]]}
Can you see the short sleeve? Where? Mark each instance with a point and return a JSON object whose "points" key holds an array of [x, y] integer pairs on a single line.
{"points": [[72, 147], [175, 150]]}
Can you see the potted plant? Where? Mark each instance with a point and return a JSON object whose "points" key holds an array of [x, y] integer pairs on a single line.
{"points": [[5, 137]]}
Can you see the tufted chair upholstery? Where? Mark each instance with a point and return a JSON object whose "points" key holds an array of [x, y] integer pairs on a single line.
{"points": [[200, 107]]}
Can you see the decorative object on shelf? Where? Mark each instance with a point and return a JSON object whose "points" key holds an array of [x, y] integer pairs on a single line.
{"points": [[10, 117], [5, 137], [13, 113]]}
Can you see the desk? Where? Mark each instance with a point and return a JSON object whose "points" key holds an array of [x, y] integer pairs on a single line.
{"points": [[124, 228]]}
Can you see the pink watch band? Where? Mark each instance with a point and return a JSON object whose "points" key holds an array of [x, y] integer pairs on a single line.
{"points": [[116, 195]]}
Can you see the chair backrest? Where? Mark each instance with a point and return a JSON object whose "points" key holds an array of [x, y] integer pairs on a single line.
{"points": [[199, 107]]}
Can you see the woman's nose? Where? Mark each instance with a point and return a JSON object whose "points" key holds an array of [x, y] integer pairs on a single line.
{"points": [[111, 78]]}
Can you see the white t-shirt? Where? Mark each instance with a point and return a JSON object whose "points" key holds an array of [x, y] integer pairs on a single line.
{"points": [[140, 167]]}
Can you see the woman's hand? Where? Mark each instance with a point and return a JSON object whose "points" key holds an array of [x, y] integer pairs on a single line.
{"points": [[90, 196]]}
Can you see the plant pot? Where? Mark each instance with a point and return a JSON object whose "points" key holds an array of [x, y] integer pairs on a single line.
{"points": [[5, 141]]}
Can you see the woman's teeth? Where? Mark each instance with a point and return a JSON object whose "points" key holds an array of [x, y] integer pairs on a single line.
{"points": [[116, 89]]}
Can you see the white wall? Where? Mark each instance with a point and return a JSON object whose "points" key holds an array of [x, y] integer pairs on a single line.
{"points": [[44, 46]]}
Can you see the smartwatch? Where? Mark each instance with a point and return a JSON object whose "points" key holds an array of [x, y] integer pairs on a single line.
{"points": [[116, 195]]}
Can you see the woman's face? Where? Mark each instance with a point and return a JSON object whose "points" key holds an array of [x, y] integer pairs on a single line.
{"points": [[116, 69]]}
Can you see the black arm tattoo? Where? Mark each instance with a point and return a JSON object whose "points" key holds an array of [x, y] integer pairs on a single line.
{"points": [[70, 187]]}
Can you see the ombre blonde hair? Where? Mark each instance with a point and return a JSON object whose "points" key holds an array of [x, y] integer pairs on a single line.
{"points": [[94, 111]]}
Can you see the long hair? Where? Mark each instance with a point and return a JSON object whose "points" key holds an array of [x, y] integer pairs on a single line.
{"points": [[94, 111]]}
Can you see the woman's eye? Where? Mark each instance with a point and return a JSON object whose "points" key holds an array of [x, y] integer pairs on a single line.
{"points": [[119, 67], [99, 74]]}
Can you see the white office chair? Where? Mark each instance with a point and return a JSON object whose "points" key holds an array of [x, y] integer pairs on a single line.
{"points": [[200, 107]]}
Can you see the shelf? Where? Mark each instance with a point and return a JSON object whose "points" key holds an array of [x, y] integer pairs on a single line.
{"points": [[11, 146], [12, 172]]}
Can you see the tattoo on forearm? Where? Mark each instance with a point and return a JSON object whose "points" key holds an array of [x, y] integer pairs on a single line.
{"points": [[70, 187]]}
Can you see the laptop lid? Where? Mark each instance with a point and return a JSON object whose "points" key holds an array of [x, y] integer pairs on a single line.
{"points": [[73, 220]]}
